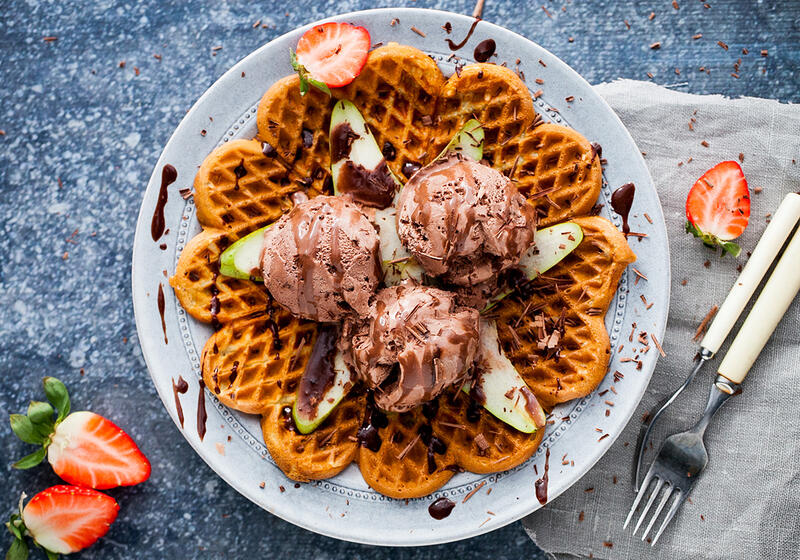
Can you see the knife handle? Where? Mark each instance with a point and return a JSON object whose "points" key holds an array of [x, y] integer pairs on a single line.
{"points": [[769, 308], [775, 234]]}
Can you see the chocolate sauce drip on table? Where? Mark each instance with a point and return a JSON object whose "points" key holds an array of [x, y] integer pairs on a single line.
{"points": [[484, 50], [168, 176], [453, 46], [180, 387], [202, 415], [239, 171], [409, 168], [541, 484], [161, 308], [374, 419], [319, 374], [621, 202], [441, 508]]}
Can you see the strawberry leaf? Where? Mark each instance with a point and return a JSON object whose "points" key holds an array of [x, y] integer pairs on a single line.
{"points": [[58, 396], [18, 550], [30, 461], [51, 555], [306, 81], [40, 412], [23, 427], [730, 247], [712, 241]]}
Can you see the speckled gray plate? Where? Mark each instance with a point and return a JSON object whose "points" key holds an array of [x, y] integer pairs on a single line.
{"points": [[344, 507]]}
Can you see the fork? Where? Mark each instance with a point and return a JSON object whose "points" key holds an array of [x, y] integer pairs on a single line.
{"points": [[683, 456]]}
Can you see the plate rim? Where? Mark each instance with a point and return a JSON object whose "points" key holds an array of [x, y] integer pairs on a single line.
{"points": [[297, 518]]}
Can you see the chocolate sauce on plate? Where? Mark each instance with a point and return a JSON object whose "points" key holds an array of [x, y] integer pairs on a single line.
{"points": [[541, 484], [180, 387], [319, 374], [202, 415], [621, 202], [168, 176], [484, 50], [455, 46], [441, 508], [161, 307]]}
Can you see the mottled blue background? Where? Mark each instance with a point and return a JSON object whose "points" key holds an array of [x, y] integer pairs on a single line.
{"points": [[81, 135]]}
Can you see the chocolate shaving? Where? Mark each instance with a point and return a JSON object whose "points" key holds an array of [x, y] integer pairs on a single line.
{"points": [[658, 346], [701, 329], [473, 491], [408, 447]]}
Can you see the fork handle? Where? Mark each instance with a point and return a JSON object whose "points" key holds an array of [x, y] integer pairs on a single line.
{"points": [[773, 238], [769, 308]]}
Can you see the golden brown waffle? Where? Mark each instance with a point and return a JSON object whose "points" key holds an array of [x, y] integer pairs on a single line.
{"points": [[500, 101], [238, 187], [480, 442], [247, 370], [296, 127], [396, 92], [558, 170], [321, 454], [400, 467], [196, 282], [571, 298], [407, 103]]}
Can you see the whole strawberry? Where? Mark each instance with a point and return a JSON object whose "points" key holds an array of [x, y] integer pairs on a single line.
{"points": [[61, 520], [718, 207], [83, 448]]}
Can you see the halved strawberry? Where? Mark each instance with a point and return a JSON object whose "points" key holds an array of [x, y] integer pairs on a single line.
{"points": [[62, 520], [83, 447], [330, 55], [718, 206]]}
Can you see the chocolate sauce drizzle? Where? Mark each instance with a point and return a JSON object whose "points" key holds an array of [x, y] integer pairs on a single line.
{"points": [[202, 415], [277, 345], [161, 308], [541, 484], [168, 176], [372, 187], [179, 387], [409, 168], [484, 50], [455, 46], [319, 374], [374, 420], [441, 508], [239, 171], [621, 202], [213, 306]]}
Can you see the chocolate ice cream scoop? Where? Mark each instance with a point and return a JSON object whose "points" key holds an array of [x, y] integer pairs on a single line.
{"points": [[321, 260], [416, 343], [464, 221]]}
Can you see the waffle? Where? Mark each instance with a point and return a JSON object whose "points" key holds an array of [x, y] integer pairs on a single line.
{"points": [[296, 127], [572, 298], [321, 454], [247, 370], [396, 92], [196, 282], [558, 170], [413, 113], [400, 468], [480, 442]]}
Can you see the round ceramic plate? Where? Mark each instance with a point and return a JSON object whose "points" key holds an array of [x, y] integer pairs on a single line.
{"points": [[345, 507]]}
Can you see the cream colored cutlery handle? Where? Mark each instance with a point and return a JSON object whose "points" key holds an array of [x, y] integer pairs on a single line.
{"points": [[772, 303], [775, 234]]}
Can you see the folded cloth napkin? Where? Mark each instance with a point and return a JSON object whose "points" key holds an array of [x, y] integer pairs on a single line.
{"points": [[747, 502]]}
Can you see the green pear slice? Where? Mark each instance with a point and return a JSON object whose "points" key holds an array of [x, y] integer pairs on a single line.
{"points": [[243, 258], [551, 245], [499, 387], [364, 150], [308, 418], [468, 141], [397, 262]]}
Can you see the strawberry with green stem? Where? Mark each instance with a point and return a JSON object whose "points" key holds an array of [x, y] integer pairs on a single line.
{"points": [[330, 55], [83, 448], [718, 207]]}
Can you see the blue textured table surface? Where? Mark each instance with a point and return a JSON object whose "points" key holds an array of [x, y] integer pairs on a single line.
{"points": [[92, 90]]}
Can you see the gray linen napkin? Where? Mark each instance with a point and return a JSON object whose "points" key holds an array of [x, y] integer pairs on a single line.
{"points": [[747, 502]]}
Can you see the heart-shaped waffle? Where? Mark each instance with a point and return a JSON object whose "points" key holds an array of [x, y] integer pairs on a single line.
{"points": [[413, 112]]}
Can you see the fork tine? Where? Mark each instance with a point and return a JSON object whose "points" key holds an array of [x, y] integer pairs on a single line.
{"points": [[667, 493], [679, 498], [653, 496], [639, 495]]}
